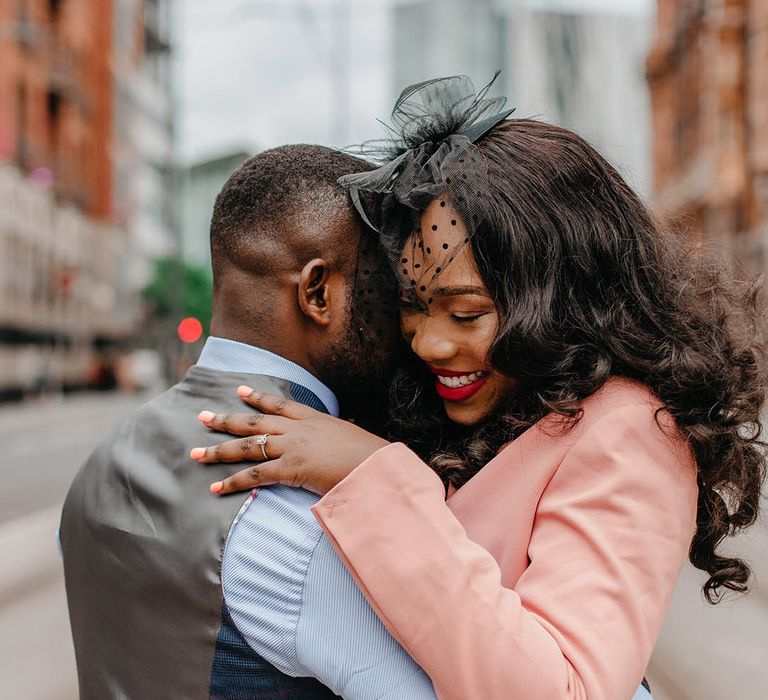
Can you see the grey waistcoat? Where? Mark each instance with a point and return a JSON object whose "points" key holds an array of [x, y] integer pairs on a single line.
{"points": [[143, 539]]}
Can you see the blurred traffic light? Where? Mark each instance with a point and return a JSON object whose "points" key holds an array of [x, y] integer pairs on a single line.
{"points": [[190, 330]]}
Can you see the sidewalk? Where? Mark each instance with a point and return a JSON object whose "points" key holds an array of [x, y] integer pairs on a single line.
{"points": [[37, 661], [716, 652]]}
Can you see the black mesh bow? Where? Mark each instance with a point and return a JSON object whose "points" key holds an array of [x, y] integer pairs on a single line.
{"points": [[430, 154]]}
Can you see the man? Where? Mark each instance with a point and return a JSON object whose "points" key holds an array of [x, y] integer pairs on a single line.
{"points": [[157, 610]]}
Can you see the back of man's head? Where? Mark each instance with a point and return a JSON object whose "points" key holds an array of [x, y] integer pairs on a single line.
{"points": [[290, 273], [283, 207]]}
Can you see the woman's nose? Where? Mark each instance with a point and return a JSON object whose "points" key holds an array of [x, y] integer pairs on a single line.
{"points": [[430, 344]]}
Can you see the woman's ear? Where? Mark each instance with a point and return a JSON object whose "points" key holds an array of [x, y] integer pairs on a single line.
{"points": [[314, 291]]}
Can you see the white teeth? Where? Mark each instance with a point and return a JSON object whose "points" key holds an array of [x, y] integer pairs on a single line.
{"points": [[463, 380]]}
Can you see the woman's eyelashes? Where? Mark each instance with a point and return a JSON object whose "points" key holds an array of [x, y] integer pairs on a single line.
{"points": [[413, 304], [468, 318]]}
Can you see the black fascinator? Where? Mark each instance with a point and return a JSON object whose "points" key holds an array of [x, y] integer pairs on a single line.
{"points": [[430, 154]]}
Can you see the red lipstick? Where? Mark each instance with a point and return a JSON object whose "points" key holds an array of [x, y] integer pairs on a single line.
{"points": [[456, 393]]}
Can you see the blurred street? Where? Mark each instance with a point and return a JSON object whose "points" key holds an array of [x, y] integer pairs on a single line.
{"points": [[44, 443], [720, 652]]}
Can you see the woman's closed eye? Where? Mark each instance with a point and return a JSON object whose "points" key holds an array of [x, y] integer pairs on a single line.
{"points": [[468, 318]]}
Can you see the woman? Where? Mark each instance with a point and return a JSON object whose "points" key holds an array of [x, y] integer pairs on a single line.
{"points": [[587, 394]]}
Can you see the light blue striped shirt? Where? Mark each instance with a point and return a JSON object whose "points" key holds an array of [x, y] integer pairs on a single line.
{"points": [[286, 589], [231, 356]]}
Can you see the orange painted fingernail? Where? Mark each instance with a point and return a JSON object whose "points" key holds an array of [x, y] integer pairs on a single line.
{"points": [[197, 452], [244, 390], [206, 416], [216, 486]]}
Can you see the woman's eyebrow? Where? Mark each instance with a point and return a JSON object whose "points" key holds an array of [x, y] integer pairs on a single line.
{"points": [[459, 291]]}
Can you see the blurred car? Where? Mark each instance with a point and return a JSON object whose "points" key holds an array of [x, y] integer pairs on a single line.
{"points": [[141, 370]]}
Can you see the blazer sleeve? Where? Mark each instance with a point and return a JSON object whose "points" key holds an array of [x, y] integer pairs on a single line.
{"points": [[611, 532]]}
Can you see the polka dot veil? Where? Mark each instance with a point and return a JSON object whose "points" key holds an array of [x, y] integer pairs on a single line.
{"points": [[430, 156]]}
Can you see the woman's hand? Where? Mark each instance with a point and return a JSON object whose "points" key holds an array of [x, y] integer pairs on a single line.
{"points": [[302, 448]]}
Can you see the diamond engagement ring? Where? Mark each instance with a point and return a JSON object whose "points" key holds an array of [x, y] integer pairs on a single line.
{"points": [[261, 441]]}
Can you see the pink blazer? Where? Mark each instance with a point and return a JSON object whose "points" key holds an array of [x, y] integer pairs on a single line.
{"points": [[546, 576]]}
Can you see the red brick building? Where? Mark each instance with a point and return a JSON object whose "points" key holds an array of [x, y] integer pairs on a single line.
{"points": [[708, 75], [56, 95], [78, 103]]}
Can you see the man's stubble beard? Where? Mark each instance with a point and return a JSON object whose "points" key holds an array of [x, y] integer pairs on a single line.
{"points": [[361, 371]]}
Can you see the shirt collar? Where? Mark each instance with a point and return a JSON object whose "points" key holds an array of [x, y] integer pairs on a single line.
{"points": [[231, 356]]}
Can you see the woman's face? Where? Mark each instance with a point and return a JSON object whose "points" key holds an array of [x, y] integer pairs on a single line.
{"points": [[454, 335]]}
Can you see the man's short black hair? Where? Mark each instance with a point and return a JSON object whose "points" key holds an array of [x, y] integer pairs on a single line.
{"points": [[280, 200]]}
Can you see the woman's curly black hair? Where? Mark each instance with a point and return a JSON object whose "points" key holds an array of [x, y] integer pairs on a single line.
{"points": [[588, 286]]}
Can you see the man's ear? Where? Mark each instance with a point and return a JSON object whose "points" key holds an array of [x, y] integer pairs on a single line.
{"points": [[315, 292]]}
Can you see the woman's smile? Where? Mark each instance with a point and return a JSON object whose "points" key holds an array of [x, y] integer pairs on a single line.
{"points": [[453, 328], [458, 386]]}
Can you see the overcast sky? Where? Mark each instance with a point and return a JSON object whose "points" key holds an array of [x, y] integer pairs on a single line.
{"points": [[253, 74]]}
